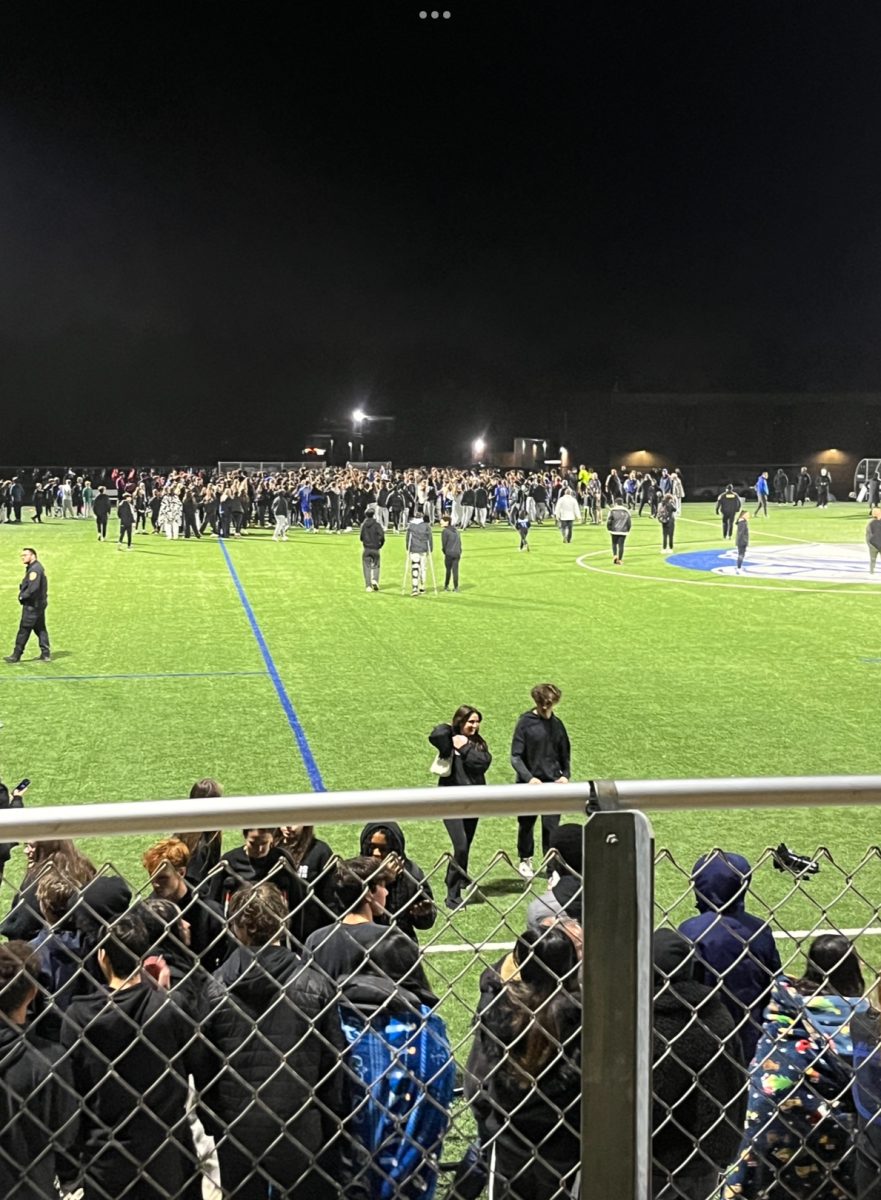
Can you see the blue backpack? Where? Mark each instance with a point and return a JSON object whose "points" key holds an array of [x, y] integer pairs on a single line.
{"points": [[401, 1076]]}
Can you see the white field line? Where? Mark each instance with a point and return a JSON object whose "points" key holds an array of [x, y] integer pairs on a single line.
{"points": [[794, 935]]}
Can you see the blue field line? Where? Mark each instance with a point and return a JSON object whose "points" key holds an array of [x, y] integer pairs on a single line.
{"points": [[290, 712], [42, 677]]}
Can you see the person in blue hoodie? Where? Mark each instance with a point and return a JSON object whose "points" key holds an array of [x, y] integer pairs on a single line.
{"points": [[798, 1138], [733, 947], [762, 490]]}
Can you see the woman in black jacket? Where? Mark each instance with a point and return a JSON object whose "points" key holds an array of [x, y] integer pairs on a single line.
{"points": [[461, 744], [314, 862]]}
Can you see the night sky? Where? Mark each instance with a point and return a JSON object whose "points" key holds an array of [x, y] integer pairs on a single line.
{"points": [[223, 229]]}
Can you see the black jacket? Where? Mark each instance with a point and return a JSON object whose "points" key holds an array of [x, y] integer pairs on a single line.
{"points": [[237, 870], [101, 505], [33, 591], [274, 1083], [129, 1108], [470, 764], [209, 940], [409, 888], [39, 1114], [728, 504], [540, 749], [372, 536]]}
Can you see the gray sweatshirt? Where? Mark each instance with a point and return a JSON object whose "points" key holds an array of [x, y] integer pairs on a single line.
{"points": [[451, 542], [419, 539]]}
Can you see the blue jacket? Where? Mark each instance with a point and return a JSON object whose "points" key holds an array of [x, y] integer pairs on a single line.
{"points": [[761, 486], [733, 947]]}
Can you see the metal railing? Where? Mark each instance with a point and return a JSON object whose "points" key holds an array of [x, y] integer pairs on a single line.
{"points": [[627, 891]]}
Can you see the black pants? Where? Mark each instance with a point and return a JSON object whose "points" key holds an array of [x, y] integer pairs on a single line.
{"points": [[141, 519], [125, 534], [727, 526], [618, 540], [101, 522], [33, 620], [566, 530], [451, 566], [461, 831], [191, 529], [668, 528], [17, 510], [38, 515], [526, 834]]}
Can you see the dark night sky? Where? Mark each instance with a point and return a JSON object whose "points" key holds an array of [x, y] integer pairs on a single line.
{"points": [[223, 227]]}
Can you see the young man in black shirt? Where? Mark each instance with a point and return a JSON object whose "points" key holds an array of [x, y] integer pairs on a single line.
{"points": [[540, 753]]}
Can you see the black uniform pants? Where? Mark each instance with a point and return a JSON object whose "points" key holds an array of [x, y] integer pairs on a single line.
{"points": [[191, 529], [461, 831], [526, 834], [668, 528], [33, 620], [101, 522], [125, 534], [451, 567], [618, 540], [727, 525]]}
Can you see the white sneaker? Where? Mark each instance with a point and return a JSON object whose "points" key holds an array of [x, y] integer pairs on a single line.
{"points": [[525, 868]]}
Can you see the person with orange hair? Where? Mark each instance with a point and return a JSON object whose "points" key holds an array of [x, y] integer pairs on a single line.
{"points": [[166, 863]]}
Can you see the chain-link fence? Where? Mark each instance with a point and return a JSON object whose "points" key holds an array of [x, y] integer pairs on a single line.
{"points": [[267, 1020]]}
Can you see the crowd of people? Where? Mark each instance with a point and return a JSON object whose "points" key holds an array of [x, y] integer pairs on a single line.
{"points": [[257, 1021]]}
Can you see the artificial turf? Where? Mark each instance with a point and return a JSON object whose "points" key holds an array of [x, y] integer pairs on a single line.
{"points": [[158, 679]]}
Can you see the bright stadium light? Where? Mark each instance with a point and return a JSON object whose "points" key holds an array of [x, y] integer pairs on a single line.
{"points": [[359, 415], [478, 447]]}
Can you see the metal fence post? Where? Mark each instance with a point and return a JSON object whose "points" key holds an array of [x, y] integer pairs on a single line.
{"points": [[617, 1006]]}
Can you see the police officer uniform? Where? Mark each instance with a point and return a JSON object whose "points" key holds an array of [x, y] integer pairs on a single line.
{"points": [[33, 596]]}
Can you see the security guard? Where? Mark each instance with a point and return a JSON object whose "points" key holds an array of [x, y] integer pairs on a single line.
{"points": [[729, 505], [33, 596]]}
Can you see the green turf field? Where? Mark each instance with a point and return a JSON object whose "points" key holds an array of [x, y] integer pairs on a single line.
{"points": [[158, 679]]}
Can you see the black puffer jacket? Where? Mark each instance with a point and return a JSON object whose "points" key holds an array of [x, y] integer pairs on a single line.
{"points": [[275, 1085], [409, 889]]}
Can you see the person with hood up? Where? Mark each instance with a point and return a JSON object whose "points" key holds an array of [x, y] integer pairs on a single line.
{"points": [[410, 901], [271, 1084], [698, 1097], [619, 523], [798, 1137], [540, 753], [733, 947], [372, 539]]}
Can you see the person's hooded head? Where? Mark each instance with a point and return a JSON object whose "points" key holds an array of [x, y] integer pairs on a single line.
{"points": [[721, 881], [673, 957], [379, 839]]}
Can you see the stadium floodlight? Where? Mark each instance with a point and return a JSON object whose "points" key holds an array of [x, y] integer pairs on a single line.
{"points": [[478, 446], [359, 415]]}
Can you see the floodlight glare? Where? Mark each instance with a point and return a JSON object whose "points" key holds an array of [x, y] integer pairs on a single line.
{"points": [[479, 447], [359, 415]]}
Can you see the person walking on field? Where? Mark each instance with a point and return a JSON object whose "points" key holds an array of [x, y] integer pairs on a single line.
{"points": [[729, 505], [567, 512], [762, 494], [101, 509], [126, 515], [372, 541], [33, 596], [802, 487], [540, 753], [451, 545], [873, 538], [667, 518], [619, 524], [742, 538]]}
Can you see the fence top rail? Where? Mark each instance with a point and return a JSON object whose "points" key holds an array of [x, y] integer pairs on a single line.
{"points": [[310, 808]]}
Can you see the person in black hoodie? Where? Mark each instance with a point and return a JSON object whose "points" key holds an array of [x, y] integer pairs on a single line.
{"points": [[130, 1052], [410, 903], [540, 753], [461, 743], [166, 863], [204, 846], [698, 1093], [314, 862], [40, 1109], [101, 509], [273, 1084], [262, 859], [372, 540]]}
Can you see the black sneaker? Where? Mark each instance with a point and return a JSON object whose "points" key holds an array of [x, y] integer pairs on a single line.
{"points": [[45, 658], [11, 658]]}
